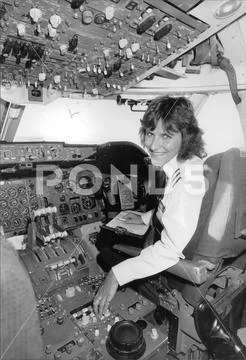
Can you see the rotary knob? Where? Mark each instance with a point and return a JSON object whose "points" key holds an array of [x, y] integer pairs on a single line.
{"points": [[87, 17], [125, 340]]}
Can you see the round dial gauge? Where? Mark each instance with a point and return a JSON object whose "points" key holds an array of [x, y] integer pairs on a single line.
{"points": [[85, 182]]}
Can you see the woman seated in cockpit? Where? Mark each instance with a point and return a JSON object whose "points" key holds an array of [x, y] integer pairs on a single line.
{"points": [[170, 133]]}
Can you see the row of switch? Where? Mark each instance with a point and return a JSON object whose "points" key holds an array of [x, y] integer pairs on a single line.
{"points": [[61, 264], [44, 211]]}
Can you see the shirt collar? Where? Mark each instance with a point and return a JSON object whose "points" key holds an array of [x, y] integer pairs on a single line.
{"points": [[171, 167]]}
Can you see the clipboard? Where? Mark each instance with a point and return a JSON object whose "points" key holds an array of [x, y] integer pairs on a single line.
{"points": [[121, 227]]}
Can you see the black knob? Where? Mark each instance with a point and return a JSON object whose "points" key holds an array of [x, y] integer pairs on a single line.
{"points": [[145, 24], [2, 59], [117, 65], [163, 31], [24, 50], [8, 45], [125, 341], [40, 52], [73, 43], [16, 48], [75, 4], [28, 64]]}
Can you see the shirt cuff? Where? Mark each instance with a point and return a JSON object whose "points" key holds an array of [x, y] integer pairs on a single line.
{"points": [[123, 272], [146, 217]]}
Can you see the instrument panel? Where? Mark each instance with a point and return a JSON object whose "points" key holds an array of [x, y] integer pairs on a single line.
{"points": [[18, 153], [91, 47], [76, 202], [20, 198], [17, 201], [75, 179]]}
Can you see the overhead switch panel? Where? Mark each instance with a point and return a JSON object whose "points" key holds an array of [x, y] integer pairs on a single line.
{"points": [[98, 48]]}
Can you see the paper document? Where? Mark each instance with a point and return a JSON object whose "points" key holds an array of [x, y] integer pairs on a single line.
{"points": [[119, 221]]}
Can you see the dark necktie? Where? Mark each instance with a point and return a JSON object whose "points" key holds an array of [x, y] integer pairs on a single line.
{"points": [[156, 191], [160, 183]]}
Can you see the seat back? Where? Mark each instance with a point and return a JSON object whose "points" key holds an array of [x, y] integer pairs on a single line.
{"points": [[221, 229]]}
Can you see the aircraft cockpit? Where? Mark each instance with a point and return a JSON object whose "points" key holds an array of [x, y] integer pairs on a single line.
{"points": [[95, 189]]}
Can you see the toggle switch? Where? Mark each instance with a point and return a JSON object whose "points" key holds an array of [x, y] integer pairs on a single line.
{"points": [[139, 306], [154, 334], [129, 53], [58, 355], [55, 21], [21, 29], [135, 47], [80, 341], [123, 43], [145, 24], [48, 349], [168, 45], [163, 31], [131, 310], [85, 320], [35, 14], [70, 292], [60, 319], [51, 31], [69, 348], [41, 76], [109, 12]]}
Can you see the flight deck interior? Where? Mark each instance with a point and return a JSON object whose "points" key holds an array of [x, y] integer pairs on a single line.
{"points": [[64, 186]]}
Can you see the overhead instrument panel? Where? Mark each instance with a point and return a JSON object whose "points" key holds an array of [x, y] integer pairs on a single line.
{"points": [[92, 47], [31, 153]]}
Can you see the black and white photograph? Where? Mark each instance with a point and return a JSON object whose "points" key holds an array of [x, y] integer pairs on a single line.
{"points": [[123, 179]]}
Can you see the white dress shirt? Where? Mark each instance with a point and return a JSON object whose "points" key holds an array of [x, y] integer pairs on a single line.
{"points": [[178, 212]]}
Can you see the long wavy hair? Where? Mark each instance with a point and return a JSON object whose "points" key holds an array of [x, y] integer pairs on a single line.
{"points": [[176, 114]]}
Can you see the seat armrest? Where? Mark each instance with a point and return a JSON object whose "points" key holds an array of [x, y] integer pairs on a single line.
{"points": [[127, 249], [195, 271]]}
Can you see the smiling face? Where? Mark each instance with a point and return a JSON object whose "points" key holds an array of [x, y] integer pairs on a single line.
{"points": [[161, 145]]}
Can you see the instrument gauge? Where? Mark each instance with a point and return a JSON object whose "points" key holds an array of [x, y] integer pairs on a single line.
{"points": [[59, 187], [106, 183], [2, 194], [88, 203], [85, 182]]}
